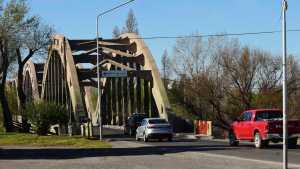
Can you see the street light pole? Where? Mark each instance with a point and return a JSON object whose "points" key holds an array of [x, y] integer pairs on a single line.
{"points": [[98, 69], [284, 86], [98, 80]]}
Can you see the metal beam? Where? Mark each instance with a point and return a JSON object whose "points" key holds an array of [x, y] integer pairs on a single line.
{"points": [[119, 65], [78, 45], [118, 52], [84, 58]]}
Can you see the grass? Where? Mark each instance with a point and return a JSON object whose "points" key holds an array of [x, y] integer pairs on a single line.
{"points": [[20, 139], [1, 129]]}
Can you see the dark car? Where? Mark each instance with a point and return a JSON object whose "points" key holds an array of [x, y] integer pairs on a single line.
{"points": [[133, 122]]}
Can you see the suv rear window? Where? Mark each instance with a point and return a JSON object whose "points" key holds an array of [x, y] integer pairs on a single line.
{"points": [[139, 118], [268, 115], [157, 121]]}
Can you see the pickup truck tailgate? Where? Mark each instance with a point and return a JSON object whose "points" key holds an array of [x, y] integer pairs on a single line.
{"points": [[275, 126]]}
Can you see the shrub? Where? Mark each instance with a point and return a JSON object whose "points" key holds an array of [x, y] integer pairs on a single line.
{"points": [[42, 115], [11, 96], [1, 120]]}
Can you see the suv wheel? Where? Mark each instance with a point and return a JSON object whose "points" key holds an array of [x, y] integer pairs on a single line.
{"points": [[145, 138], [137, 137], [232, 139]]}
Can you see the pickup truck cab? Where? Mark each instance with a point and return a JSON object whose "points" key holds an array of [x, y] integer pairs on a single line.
{"points": [[262, 126]]}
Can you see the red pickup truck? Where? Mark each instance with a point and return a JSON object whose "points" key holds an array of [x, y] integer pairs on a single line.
{"points": [[262, 126]]}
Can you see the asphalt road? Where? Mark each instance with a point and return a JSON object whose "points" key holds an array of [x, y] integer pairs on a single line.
{"points": [[128, 153], [245, 150], [219, 147]]}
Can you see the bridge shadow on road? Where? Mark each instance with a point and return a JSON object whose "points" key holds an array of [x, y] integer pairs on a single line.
{"points": [[65, 153]]}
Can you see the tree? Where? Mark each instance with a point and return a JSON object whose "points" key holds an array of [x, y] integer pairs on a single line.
{"points": [[189, 56], [20, 33], [218, 77], [241, 67], [131, 25], [13, 18], [166, 67], [4, 103], [34, 40], [116, 32], [190, 65]]}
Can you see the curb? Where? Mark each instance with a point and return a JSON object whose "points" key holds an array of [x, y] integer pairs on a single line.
{"points": [[191, 136], [185, 136]]}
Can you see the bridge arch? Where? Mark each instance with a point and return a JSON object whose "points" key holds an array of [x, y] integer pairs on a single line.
{"points": [[60, 80], [158, 90], [31, 86], [69, 77]]}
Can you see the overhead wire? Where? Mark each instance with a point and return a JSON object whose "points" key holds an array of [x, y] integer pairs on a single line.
{"points": [[215, 35]]}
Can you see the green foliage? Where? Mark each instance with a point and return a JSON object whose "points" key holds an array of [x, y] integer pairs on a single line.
{"points": [[42, 115], [11, 95], [1, 123], [94, 98], [179, 109], [1, 120], [14, 21], [15, 10]]}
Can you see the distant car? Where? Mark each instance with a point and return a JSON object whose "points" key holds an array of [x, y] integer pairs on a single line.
{"points": [[133, 122], [262, 126], [154, 128]]}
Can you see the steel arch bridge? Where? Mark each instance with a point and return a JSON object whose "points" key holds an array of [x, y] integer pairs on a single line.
{"points": [[69, 77]]}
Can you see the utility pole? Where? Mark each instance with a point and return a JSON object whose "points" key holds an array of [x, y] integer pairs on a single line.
{"points": [[284, 86]]}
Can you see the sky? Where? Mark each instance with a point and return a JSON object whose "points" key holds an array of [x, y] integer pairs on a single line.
{"points": [[76, 19]]}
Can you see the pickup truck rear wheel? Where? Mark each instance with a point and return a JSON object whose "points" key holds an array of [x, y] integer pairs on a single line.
{"points": [[258, 142], [292, 143], [232, 139]]}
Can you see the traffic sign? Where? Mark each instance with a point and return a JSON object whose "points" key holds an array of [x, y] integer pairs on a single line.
{"points": [[114, 73]]}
